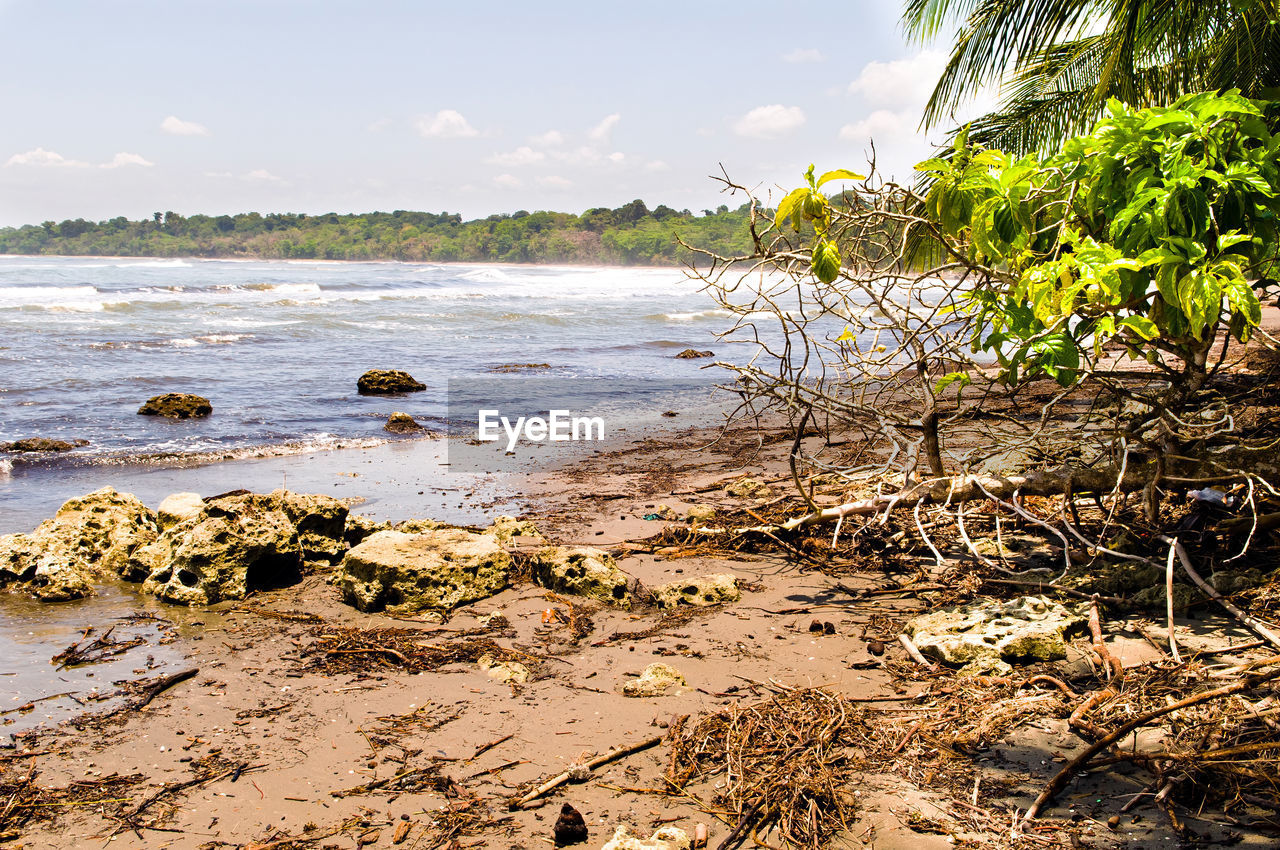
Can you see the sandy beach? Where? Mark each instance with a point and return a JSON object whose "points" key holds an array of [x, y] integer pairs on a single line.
{"points": [[304, 726]]}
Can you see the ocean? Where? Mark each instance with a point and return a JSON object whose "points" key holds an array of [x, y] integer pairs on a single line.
{"points": [[277, 347]]}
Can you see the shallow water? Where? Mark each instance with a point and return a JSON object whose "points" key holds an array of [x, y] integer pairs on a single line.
{"points": [[32, 633]]}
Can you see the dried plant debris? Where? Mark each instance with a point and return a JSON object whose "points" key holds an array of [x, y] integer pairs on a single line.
{"points": [[786, 765], [25, 801], [356, 650]]}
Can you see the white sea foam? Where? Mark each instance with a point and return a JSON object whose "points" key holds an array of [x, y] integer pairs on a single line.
{"points": [[47, 296], [697, 314]]}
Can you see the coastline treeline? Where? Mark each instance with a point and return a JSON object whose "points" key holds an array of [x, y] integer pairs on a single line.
{"points": [[632, 234]]}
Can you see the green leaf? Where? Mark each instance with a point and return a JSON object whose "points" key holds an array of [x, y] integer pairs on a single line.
{"points": [[962, 380], [788, 207], [839, 174], [826, 261], [847, 336], [1142, 326]]}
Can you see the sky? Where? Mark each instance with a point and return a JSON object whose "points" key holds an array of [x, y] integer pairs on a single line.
{"points": [[129, 107]]}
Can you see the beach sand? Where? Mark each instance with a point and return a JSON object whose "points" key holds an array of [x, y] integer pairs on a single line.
{"points": [[285, 735]]}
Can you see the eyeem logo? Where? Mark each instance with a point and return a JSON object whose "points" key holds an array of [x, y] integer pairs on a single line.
{"points": [[559, 426]]}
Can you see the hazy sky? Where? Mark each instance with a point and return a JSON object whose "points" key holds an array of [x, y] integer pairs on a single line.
{"points": [[125, 107]]}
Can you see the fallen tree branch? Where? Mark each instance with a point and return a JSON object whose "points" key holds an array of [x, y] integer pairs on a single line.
{"points": [[1059, 781], [599, 761], [1253, 623]]}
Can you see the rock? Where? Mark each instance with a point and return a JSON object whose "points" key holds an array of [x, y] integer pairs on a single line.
{"points": [[387, 382], [693, 354], [664, 511], [582, 571], [89, 538], [177, 406], [41, 444], [418, 526], [714, 589], [748, 488], [320, 522], [699, 514], [570, 828], [235, 545], [177, 507], [507, 672], [402, 423], [657, 679], [440, 570], [665, 838], [359, 527], [509, 531], [985, 636]]}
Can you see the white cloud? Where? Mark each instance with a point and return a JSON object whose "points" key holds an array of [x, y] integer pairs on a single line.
{"points": [[554, 181], [508, 181], [601, 132], [549, 139], [657, 165], [523, 155], [617, 156], [898, 143], [175, 126], [379, 125], [769, 122], [803, 55], [901, 85], [261, 174], [446, 124], [44, 158], [878, 125], [123, 159]]}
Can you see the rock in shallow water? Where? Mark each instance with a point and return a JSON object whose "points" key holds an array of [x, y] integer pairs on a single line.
{"points": [[176, 406], [90, 538], [582, 571], [402, 423], [387, 382], [987, 636], [693, 354], [436, 570], [41, 444]]}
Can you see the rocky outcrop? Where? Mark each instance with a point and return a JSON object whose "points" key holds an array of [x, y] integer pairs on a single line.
{"points": [[235, 545], [176, 406], [656, 680], [512, 532], [387, 382], [320, 522], [693, 354], [177, 507], [714, 589], [582, 571], [359, 527], [41, 444], [986, 637], [436, 570], [402, 423], [90, 538]]}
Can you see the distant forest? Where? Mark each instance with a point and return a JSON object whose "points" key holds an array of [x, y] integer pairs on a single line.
{"points": [[629, 235]]}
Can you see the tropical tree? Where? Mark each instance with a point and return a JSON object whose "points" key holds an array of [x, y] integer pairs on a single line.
{"points": [[1056, 63]]}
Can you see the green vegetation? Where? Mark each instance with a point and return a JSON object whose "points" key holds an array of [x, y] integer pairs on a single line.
{"points": [[629, 235], [1058, 62]]}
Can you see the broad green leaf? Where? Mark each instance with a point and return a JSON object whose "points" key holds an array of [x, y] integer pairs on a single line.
{"points": [[826, 261], [1142, 326], [839, 174]]}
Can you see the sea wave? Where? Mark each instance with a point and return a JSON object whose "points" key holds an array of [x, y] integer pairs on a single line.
{"points": [[693, 315]]}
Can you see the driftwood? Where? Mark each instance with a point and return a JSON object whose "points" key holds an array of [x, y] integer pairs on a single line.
{"points": [[598, 761], [1059, 781], [1253, 623]]}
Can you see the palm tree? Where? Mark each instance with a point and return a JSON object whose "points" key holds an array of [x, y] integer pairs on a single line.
{"points": [[1056, 62]]}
